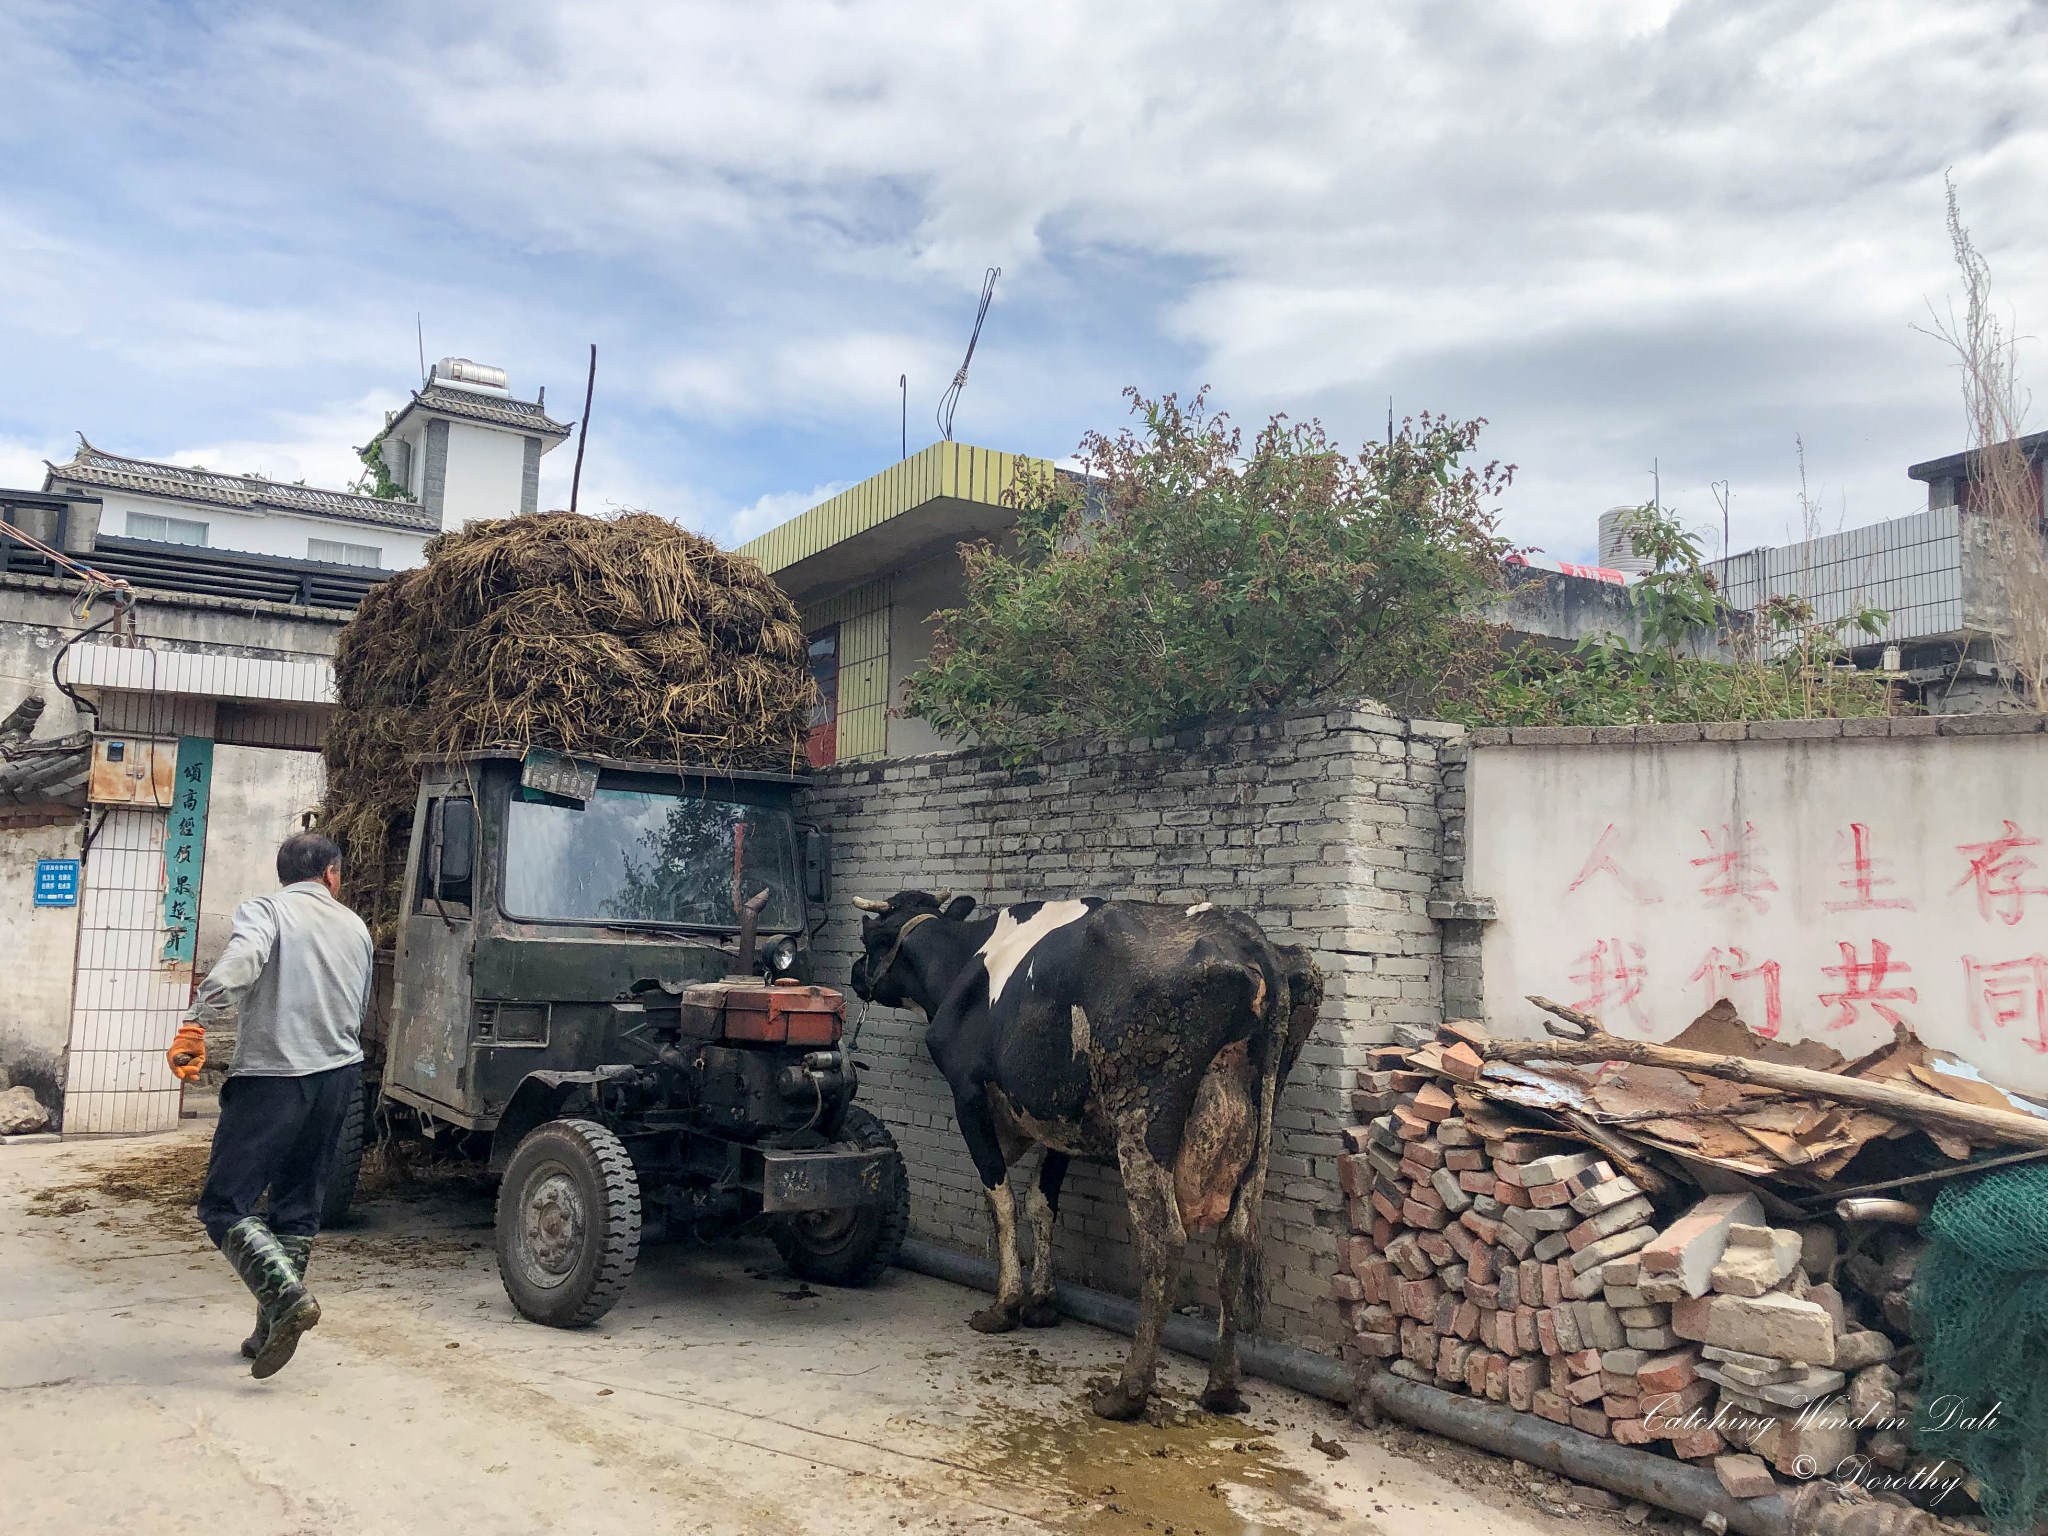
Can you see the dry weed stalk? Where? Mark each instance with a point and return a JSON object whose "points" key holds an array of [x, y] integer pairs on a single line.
{"points": [[2001, 484], [624, 636]]}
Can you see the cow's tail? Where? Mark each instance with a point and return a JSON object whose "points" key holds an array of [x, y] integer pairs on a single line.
{"points": [[1269, 1059]]}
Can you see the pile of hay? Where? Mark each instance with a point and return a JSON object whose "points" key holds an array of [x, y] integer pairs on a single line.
{"points": [[624, 637]]}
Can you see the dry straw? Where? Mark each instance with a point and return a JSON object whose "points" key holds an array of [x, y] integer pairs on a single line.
{"points": [[623, 636]]}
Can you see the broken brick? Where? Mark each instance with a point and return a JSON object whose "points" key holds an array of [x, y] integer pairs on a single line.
{"points": [[1432, 1103], [1773, 1324], [1745, 1477], [1692, 1245], [1462, 1062], [1552, 1406], [1589, 1420]]}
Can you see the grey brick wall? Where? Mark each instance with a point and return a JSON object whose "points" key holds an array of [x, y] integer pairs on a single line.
{"points": [[434, 474], [529, 475], [1459, 929], [1323, 824]]}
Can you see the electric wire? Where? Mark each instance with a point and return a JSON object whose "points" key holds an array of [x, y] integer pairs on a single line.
{"points": [[950, 400]]}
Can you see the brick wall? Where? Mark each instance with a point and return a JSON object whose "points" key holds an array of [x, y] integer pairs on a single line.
{"points": [[1322, 824]]}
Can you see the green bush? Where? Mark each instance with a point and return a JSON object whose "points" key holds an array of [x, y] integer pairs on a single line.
{"points": [[1786, 664], [1188, 578]]}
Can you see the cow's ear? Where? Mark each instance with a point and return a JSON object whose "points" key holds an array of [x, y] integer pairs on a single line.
{"points": [[958, 908]]}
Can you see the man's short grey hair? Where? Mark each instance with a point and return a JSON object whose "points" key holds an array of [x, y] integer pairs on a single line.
{"points": [[306, 856]]}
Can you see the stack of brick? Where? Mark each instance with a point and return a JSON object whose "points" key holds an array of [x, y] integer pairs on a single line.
{"points": [[1517, 1265], [1800, 1387], [1480, 1260]]}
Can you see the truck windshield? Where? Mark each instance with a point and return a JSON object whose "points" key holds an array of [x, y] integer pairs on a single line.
{"points": [[632, 857]]}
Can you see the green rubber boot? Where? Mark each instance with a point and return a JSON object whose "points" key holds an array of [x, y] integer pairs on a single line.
{"points": [[300, 1251], [281, 1301]]}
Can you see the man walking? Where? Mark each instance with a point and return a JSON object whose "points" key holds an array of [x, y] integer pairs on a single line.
{"points": [[297, 966]]}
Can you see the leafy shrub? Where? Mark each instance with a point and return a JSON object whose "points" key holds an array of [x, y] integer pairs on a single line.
{"points": [[1185, 577]]}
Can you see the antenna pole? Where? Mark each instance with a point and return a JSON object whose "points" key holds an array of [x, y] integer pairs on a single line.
{"points": [[1390, 421], [583, 430], [903, 424], [419, 326]]}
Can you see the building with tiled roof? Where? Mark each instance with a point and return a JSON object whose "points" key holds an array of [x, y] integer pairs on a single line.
{"points": [[464, 449], [461, 449]]}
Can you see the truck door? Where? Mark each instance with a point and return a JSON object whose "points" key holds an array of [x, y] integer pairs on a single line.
{"points": [[429, 1050]]}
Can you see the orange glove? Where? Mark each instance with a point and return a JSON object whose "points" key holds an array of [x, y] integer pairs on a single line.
{"points": [[187, 1053]]}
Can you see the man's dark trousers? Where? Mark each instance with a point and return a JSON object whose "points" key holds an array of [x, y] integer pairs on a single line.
{"points": [[275, 1133]]}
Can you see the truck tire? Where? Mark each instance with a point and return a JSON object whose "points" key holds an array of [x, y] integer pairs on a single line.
{"points": [[850, 1247], [568, 1223], [347, 1166]]}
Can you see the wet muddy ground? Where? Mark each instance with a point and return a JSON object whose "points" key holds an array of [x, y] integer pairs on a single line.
{"points": [[720, 1395]]}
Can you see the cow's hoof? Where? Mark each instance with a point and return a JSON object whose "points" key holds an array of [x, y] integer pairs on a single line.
{"points": [[1040, 1313], [993, 1320], [1119, 1404], [1223, 1400]]}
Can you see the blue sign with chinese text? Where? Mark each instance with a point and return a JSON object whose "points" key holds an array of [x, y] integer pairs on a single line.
{"points": [[185, 847], [56, 882]]}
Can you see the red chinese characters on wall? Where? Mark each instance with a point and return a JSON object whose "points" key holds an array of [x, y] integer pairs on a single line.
{"points": [[1871, 982], [1602, 861], [1864, 984], [1735, 868], [1610, 977], [1722, 968], [2001, 994], [1864, 875], [1998, 870]]}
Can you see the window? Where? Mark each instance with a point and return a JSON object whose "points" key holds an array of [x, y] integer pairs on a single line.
{"points": [[336, 553], [821, 744], [166, 530], [638, 857]]}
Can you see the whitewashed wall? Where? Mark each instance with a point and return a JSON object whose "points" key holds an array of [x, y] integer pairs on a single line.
{"points": [[265, 533], [486, 469], [1827, 877]]}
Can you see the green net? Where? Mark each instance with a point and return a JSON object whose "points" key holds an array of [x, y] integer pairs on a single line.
{"points": [[1980, 1314]]}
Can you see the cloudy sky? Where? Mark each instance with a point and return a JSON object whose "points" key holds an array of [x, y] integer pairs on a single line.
{"points": [[1624, 233]]}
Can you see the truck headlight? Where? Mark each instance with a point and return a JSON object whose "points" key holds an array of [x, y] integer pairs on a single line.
{"points": [[782, 956]]}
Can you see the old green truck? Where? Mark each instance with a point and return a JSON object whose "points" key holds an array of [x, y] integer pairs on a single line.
{"points": [[601, 991]]}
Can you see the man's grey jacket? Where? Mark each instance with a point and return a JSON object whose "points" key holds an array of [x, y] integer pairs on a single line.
{"points": [[297, 966]]}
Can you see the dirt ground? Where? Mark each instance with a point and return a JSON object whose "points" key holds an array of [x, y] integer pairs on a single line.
{"points": [[720, 1395]]}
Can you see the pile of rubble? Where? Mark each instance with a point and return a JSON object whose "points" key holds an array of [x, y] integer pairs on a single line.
{"points": [[1513, 1261]]}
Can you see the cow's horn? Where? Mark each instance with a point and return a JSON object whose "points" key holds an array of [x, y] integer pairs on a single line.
{"points": [[944, 897], [869, 904]]}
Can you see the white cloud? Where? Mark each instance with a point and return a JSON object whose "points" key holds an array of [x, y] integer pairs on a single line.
{"points": [[318, 447], [1623, 231], [829, 375], [22, 463], [765, 512]]}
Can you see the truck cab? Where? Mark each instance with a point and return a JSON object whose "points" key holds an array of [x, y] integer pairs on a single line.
{"points": [[601, 983]]}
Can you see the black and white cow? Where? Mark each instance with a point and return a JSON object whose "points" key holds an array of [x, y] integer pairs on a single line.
{"points": [[1152, 1038]]}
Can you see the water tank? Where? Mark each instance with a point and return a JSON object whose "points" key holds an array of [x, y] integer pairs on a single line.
{"points": [[1617, 546], [461, 373]]}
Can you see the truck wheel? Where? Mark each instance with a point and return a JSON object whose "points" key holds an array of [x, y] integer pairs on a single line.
{"points": [[850, 1247], [347, 1166], [568, 1223]]}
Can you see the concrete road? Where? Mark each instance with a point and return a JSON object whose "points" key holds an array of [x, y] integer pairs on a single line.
{"points": [[721, 1395]]}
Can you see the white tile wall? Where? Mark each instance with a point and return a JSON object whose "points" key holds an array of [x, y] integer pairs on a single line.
{"points": [[125, 1006]]}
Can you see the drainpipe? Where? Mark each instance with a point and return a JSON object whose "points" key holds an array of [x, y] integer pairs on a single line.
{"points": [[1674, 1485]]}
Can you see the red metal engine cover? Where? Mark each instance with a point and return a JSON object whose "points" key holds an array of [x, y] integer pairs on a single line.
{"points": [[786, 1013]]}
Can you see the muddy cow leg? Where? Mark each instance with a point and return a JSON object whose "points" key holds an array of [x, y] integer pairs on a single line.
{"points": [[1042, 1200], [1001, 1315], [984, 1145], [1162, 1241], [1238, 1284]]}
